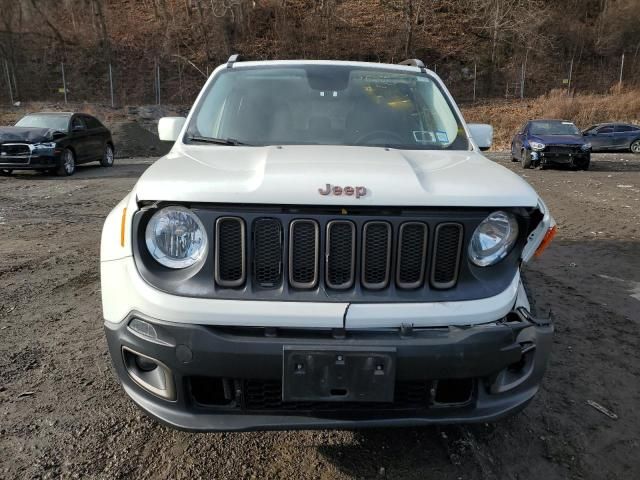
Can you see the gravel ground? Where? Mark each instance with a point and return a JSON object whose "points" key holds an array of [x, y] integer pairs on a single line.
{"points": [[62, 413]]}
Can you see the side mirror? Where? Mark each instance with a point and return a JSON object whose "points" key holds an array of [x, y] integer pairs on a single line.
{"points": [[169, 128], [482, 135]]}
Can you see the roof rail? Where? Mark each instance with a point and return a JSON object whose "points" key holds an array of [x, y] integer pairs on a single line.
{"points": [[414, 62], [233, 59]]}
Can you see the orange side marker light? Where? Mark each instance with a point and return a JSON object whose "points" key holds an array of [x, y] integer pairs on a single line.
{"points": [[122, 224], [548, 237]]}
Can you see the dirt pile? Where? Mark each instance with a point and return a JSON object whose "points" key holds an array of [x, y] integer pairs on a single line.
{"points": [[133, 140]]}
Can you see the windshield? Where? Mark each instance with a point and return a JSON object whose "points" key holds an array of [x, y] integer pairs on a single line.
{"points": [[56, 122], [327, 105], [553, 128]]}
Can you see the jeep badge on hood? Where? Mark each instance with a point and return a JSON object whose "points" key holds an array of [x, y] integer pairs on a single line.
{"points": [[338, 190]]}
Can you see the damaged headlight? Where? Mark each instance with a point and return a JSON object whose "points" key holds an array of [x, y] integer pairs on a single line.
{"points": [[537, 146], [176, 237], [493, 239], [44, 146]]}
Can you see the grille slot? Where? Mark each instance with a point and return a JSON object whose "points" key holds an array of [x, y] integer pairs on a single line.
{"points": [[267, 252], [446, 255], [412, 255], [376, 255], [341, 254], [230, 252], [304, 252]]}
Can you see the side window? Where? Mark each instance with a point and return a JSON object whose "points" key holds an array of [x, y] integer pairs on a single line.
{"points": [[623, 128], [605, 130], [77, 122], [92, 122]]}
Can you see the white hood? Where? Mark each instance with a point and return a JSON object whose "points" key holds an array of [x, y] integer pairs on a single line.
{"points": [[293, 174]]}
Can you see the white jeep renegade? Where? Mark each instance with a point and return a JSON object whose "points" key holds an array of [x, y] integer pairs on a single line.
{"points": [[324, 247]]}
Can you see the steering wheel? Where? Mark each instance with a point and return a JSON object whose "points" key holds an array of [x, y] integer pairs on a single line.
{"points": [[387, 136]]}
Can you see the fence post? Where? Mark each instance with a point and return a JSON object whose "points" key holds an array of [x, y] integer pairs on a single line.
{"points": [[475, 72], [158, 81], [111, 85], [6, 68], [621, 69], [64, 83], [570, 73]]}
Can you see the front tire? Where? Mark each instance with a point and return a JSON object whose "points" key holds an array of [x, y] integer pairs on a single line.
{"points": [[525, 159], [635, 146], [583, 164], [107, 156], [67, 165]]}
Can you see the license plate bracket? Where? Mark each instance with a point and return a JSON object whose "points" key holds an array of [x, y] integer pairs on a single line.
{"points": [[330, 374]]}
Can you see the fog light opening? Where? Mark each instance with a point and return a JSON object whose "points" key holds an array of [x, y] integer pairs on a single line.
{"points": [[149, 373], [145, 364]]}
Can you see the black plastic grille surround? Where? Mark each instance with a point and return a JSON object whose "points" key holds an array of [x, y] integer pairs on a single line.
{"points": [[371, 255]]}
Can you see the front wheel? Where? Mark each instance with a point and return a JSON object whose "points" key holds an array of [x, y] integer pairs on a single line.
{"points": [[67, 164], [635, 147], [583, 163], [107, 156], [525, 159]]}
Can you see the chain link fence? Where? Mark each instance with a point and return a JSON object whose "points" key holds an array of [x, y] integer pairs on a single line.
{"points": [[175, 80]]}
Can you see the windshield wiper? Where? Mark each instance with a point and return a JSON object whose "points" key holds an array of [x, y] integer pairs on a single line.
{"points": [[217, 141]]}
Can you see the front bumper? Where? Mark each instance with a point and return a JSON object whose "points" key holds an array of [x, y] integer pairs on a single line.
{"points": [[229, 378], [32, 162], [569, 159]]}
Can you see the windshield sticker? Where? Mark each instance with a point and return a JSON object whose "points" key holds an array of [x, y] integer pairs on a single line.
{"points": [[423, 136], [442, 137]]}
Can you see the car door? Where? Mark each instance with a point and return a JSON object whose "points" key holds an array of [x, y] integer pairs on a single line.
{"points": [[96, 138], [79, 138], [623, 135], [518, 141], [602, 139]]}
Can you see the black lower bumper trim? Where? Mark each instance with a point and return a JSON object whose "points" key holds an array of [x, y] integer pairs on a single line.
{"points": [[502, 362]]}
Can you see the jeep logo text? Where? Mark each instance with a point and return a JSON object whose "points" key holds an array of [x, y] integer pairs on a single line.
{"points": [[338, 190]]}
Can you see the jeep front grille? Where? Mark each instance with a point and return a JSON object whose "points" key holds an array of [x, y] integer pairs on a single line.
{"points": [[230, 252], [340, 254], [412, 254], [336, 254], [376, 255], [267, 248], [446, 255], [304, 253]]}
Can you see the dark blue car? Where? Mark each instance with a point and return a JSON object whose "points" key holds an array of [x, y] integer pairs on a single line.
{"points": [[608, 137], [542, 143]]}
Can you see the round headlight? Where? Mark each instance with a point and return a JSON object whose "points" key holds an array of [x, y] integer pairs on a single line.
{"points": [[176, 237], [537, 146], [493, 239]]}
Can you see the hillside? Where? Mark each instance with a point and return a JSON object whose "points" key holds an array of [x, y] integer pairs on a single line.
{"points": [[489, 44]]}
